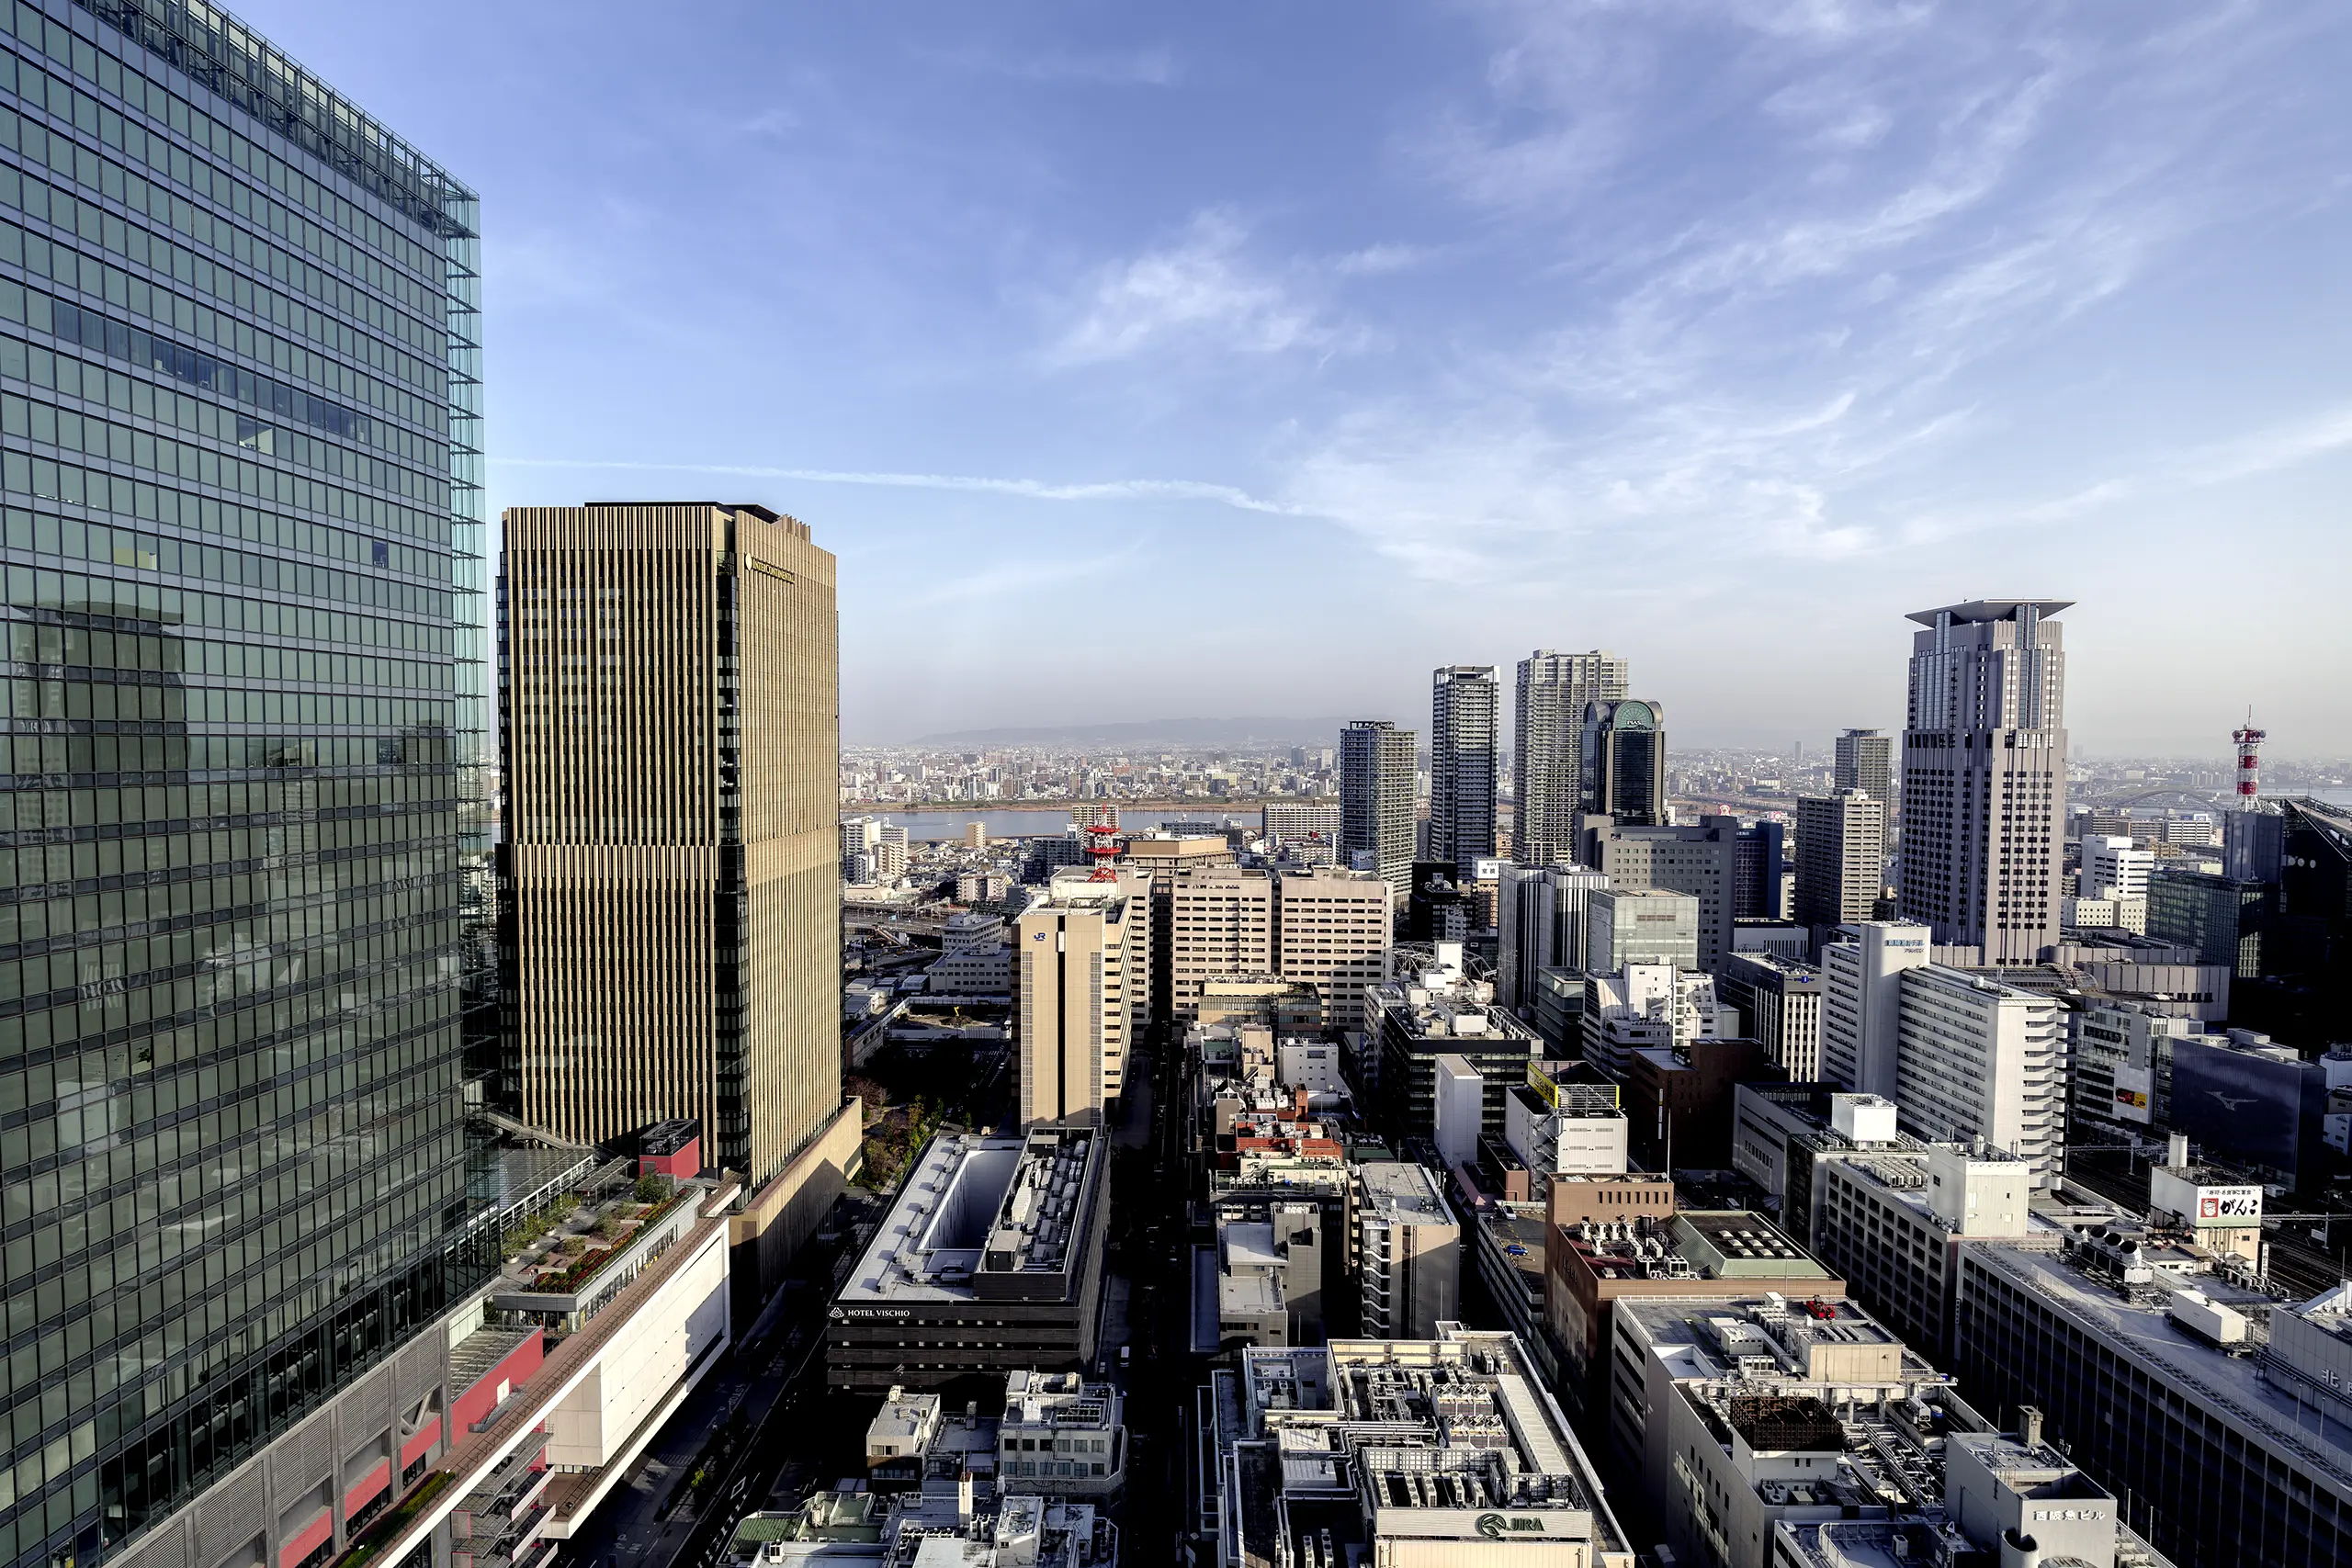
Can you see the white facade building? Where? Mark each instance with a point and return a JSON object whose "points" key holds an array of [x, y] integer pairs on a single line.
{"points": [[1976, 1059], [1861, 1001]]}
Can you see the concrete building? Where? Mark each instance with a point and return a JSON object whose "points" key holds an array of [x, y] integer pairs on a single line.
{"points": [[1861, 1002], [1737, 1414], [2218, 1409], [1864, 759], [1984, 777], [1466, 763], [1978, 1059], [1778, 1002], [1272, 1275], [1893, 1220], [2114, 867], [1410, 1022], [2221, 921], [1161, 858], [1542, 927], [1784, 1134], [2119, 1065], [1841, 858], [1222, 923], [1678, 1100], [1761, 871], [1702, 861], [1409, 1252], [1581, 1134], [2243, 1097], [670, 870], [1622, 770], [1060, 1436], [1547, 737], [1446, 1450], [989, 1261], [1625, 926], [1645, 1006], [1695, 1255], [1288, 821], [1458, 1124], [1074, 970], [1335, 929], [1377, 770]]}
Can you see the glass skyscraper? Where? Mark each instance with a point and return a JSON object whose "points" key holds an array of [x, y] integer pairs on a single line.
{"points": [[243, 925]]}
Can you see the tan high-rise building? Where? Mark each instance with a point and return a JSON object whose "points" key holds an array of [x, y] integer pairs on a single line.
{"points": [[1841, 857], [1163, 857], [672, 739], [1333, 930], [1221, 926], [1075, 967]]}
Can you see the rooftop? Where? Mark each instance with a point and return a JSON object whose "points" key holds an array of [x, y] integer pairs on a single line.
{"points": [[983, 1215], [1402, 1193], [1977, 610]]}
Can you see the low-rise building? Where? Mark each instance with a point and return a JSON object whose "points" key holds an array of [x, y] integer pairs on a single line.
{"points": [[990, 1261], [1441, 1013], [1446, 1450], [1583, 1132], [1272, 1275], [1060, 1436], [1894, 1221]]}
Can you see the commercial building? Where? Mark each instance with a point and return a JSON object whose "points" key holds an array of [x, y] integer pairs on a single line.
{"points": [[1060, 1436], [1678, 1100], [1412, 1021], [1625, 926], [1335, 929], [1445, 1449], [1893, 1219], [2245, 1098], [245, 593], [1784, 1134], [1409, 1252], [1864, 759], [1541, 925], [1290, 821], [2219, 919], [1861, 1004], [1644, 1006], [1778, 1002], [1548, 741], [1221, 923], [990, 1261], [2217, 1409], [1377, 767], [1978, 1059], [1984, 777], [1703, 860], [1713, 1255], [1583, 1134], [1161, 858], [1841, 858], [2119, 1066], [2114, 867], [1273, 1276], [1739, 1414], [1624, 766], [1074, 1006], [1466, 763], [670, 701]]}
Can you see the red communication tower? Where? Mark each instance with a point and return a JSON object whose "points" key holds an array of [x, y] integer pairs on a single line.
{"points": [[2249, 741], [1100, 826]]}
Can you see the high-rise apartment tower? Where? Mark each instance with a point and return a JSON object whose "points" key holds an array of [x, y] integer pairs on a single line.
{"points": [[1841, 857], [1985, 776], [247, 912], [1465, 761], [1547, 741], [1865, 761], [671, 677], [1376, 800]]}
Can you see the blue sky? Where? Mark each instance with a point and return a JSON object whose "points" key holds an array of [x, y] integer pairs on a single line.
{"points": [[1254, 358]]}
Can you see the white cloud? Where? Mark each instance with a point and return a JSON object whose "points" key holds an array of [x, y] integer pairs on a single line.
{"points": [[1198, 294]]}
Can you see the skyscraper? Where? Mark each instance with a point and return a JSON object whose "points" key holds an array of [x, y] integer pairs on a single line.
{"points": [[1865, 761], [1547, 741], [673, 741], [1073, 966], [1376, 827], [248, 897], [1624, 770], [1984, 777], [1465, 759], [1841, 857]]}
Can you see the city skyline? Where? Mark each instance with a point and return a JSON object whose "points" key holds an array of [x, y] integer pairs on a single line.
{"points": [[1474, 315]]}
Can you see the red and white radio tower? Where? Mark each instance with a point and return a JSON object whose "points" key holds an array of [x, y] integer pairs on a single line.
{"points": [[1100, 826], [2249, 741]]}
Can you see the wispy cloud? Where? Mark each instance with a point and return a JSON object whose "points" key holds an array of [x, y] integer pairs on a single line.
{"points": [[1032, 490], [1200, 294]]}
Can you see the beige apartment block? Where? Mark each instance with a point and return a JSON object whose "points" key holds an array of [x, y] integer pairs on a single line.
{"points": [[1221, 923], [1072, 971], [1334, 929], [672, 737], [1162, 858]]}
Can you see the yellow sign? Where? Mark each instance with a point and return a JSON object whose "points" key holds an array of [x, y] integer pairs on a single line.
{"points": [[765, 570]]}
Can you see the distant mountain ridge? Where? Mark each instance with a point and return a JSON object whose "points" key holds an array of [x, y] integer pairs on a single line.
{"points": [[1262, 731]]}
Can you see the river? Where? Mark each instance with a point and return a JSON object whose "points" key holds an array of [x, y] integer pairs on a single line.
{"points": [[1018, 824]]}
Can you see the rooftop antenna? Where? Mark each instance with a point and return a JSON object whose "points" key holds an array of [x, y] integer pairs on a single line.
{"points": [[2249, 743]]}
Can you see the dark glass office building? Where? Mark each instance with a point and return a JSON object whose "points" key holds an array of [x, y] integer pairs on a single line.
{"points": [[243, 825]]}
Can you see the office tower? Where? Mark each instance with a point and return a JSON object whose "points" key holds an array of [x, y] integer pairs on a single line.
{"points": [[248, 902], [1333, 932], [1862, 1002], [1161, 858], [1623, 769], [1466, 762], [1757, 875], [672, 751], [1222, 925], [1547, 740], [1542, 927], [1638, 925], [1976, 1059], [1778, 1002], [2114, 867], [1702, 860], [1866, 762], [1413, 1021], [1984, 797], [1376, 802], [1072, 971], [1645, 1007], [2221, 921], [1841, 857]]}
